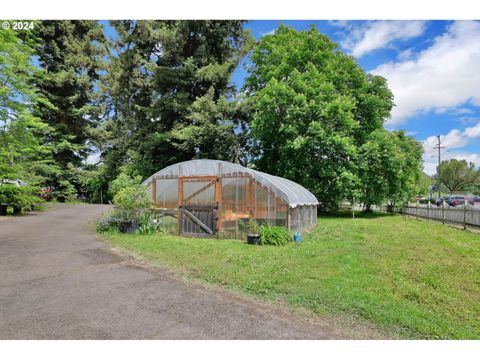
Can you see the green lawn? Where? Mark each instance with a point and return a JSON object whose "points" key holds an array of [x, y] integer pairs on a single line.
{"points": [[415, 278]]}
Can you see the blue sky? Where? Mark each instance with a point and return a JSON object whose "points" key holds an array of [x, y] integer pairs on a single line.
{"points": [[432, 67]]}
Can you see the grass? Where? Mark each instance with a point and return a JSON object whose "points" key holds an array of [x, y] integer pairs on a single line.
{"points": [[414, 278]]}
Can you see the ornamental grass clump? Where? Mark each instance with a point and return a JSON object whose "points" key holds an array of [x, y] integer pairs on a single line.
{"points": [[274, 235]]}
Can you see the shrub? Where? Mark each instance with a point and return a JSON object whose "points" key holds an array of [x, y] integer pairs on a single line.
{"points": [[133, 202], [274, 235], [113, 220], [19, 197], [123, 181], [133, 208]]}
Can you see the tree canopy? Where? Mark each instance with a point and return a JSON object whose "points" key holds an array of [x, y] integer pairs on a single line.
{"points": [[170, 92], [316, 114], [458, 175], [79, 109], [70, 55]]}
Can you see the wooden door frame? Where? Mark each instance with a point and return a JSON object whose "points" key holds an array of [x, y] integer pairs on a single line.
{"points": [[217, 199]]}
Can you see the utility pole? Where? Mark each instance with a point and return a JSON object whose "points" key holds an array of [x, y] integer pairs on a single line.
{"points": [[439, 147]]}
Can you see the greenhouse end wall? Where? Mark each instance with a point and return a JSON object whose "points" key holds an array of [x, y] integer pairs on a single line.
{"points": [[235, 194]]}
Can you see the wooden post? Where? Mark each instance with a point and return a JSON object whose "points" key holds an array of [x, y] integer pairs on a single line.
{"points": [[250, 196], [288, 218], [180, 201], [236, 221], [416, 211], [428, 210], [465, 215], [218, 201], [443, 212], [154, 191]]}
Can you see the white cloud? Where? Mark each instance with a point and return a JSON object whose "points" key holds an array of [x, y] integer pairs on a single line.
{"points": [[445, 75], [339, 23], [405, 55], [379, 34], [468, 119], [270, 32], [473, 132], [430, 164], [463, 111], [455, 139]]}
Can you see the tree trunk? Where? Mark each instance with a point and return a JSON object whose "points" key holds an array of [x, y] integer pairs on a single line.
{"points": [[3, 210], [368, 208]]}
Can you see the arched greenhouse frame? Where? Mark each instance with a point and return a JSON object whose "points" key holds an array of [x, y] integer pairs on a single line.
{"points": [[217, 198]]}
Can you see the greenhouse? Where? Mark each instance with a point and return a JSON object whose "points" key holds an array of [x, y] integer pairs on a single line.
{"points": [[217, 198]]}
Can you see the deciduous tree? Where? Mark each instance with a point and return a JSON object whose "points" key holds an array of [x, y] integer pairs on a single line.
{"points": [[313, 107], [458, 175]]}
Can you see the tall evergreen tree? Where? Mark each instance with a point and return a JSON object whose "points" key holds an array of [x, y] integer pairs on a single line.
{"points": [[21, 133], [22, 154], [71, 57], [170, 92]]}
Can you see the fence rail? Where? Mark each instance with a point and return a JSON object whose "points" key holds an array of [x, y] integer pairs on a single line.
{"points": [[464, 215]]}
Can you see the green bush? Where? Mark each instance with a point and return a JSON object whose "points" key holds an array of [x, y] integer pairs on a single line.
{"points": [[20, 197], [132, 206], [133, 202], [123, 181], [113, 220], [274, 235]]}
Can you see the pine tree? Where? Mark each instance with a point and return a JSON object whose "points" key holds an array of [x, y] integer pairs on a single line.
{"points": [[22, 154], [71, 58], [170, 92]]}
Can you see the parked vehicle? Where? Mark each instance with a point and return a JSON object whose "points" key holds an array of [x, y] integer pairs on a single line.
{"points": [[456, 200], [17, 182], [46, 192]]}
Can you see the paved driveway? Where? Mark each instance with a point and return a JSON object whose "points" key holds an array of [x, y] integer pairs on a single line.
{"points": [[59, 282]]}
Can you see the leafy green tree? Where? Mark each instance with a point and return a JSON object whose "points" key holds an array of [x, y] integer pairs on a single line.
{"points": [[123, 181], [70, 56], [94, 184], [169, 93], [22, 154], [458, 175], [390, 166], [424, 183], [313, 106]]}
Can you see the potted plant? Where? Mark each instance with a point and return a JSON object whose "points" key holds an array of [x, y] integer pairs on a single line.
{"points": [[253, 237]]}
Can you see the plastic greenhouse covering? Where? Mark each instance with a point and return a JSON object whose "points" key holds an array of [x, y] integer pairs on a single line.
{"points": [[212, 197]]}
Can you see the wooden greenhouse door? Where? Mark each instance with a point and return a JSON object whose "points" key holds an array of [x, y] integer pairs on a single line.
{"points": [[198, 208]]}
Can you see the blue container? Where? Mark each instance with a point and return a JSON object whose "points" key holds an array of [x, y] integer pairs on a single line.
{"points": [[297, 237]]}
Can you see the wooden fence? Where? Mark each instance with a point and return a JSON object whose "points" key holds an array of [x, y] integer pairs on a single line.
{"points": [[463, 215]]}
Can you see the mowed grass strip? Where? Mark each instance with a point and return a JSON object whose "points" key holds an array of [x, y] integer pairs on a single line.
{"points": [[418, 279]]}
